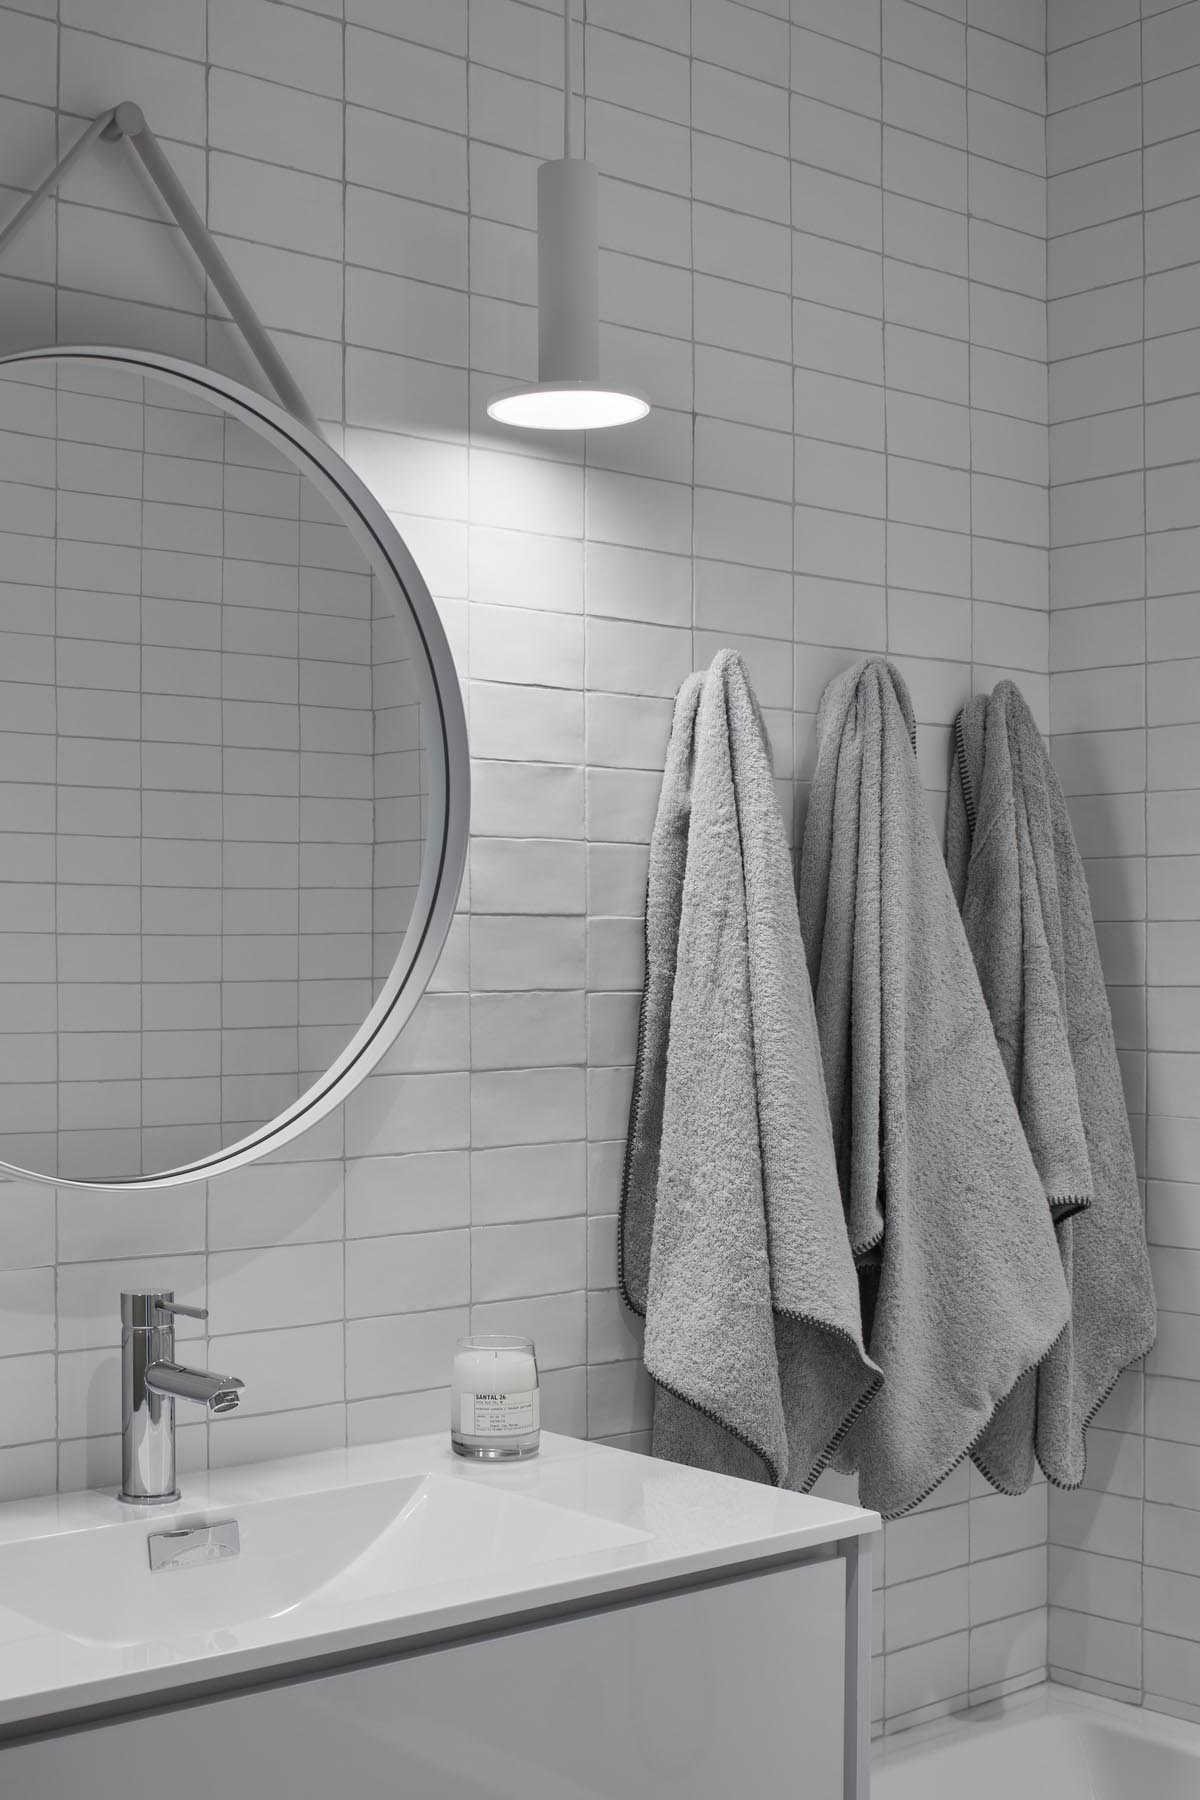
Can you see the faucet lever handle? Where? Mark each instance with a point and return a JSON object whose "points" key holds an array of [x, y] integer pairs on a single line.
{"points": [[153, 1309]]}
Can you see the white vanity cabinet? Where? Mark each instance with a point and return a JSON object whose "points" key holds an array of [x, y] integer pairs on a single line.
{"points": [[592, 1626], [733, 1689]]}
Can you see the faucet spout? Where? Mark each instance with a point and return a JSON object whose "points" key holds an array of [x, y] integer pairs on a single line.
{"points": [[217, 1393]]}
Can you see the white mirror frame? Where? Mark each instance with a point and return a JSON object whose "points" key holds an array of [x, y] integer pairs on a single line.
{"points": [[449, 770]]}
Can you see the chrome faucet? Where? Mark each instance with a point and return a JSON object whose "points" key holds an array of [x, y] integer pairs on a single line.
{"points": [[151, 1382]]}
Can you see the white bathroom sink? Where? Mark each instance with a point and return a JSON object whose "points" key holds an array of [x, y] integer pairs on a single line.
{"points": [[298, 1553], [356, 1553]]}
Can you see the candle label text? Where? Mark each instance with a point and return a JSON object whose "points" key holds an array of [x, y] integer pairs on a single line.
{"points": [[496, 1414]]}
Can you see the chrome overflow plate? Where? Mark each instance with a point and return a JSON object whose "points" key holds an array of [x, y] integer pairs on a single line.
{"points": [[190, 1545]]}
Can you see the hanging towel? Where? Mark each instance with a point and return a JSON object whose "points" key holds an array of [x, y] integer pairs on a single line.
{"points": [[963, 1289], [732, 1241], [1020, 881]]}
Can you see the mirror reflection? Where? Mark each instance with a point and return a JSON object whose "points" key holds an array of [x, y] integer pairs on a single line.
{"points": [[212, 776]]}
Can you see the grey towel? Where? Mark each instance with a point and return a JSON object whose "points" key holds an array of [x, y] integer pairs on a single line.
{"points": [[733, 1245], [963, 1285], [1021, 884]]}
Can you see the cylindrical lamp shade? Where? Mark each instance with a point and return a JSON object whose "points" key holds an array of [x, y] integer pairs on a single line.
{"points": [[569, 395], [568, 271]]}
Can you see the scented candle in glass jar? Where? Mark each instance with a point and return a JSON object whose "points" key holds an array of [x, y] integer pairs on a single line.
{"points": [[494, 1410]]}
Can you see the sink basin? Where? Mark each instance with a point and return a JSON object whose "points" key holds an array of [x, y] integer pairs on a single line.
{"points": [[356, 1553], [299, 1553]]}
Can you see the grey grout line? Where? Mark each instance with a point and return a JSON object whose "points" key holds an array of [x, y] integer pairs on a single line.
{"points": [[634, 256], [1146, 715]]}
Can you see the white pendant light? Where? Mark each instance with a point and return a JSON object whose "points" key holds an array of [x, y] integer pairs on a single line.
{"points": [[568, 395]]}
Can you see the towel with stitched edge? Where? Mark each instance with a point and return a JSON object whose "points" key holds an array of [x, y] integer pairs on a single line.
{"points": [[963, 1288], [732, 1241], [1020, 881]]}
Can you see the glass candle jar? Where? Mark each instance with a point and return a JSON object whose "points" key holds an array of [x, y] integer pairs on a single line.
{"points": [[494, 1411]]}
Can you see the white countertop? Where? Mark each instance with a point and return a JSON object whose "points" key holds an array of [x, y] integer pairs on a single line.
{"points": [[84, 1624]]}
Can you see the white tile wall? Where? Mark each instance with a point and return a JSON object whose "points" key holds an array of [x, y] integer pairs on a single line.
{"points": [[824, 254], [1125, 710]]}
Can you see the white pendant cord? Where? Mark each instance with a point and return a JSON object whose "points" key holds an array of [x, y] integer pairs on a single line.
{"points": [[567, 77]]}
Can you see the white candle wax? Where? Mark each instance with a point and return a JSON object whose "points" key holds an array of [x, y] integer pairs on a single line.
{"points": [[494, 1392]]}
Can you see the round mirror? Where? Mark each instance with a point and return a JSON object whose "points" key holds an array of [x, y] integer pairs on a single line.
{"points": [[233, 773]]}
